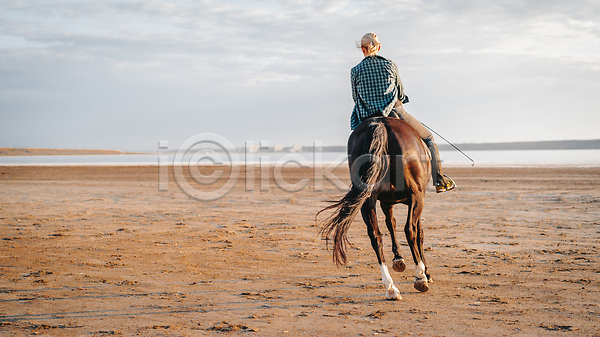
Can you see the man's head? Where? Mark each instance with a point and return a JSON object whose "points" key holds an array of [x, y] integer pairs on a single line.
{"points": [[370, 44]]}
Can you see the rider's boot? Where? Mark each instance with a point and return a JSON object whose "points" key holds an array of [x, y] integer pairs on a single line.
{"points": [[441, 181]]}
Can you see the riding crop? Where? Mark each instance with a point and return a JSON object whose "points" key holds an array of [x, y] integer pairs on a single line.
{"points": [[450, 144]]}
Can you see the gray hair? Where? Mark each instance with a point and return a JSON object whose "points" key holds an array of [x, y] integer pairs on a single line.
{"points": [[370, 42]]}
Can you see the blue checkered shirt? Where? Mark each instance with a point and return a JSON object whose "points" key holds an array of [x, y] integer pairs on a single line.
{"points": [[376, 86]]}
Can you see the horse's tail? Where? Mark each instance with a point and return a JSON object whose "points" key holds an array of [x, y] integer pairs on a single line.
{"points": [[348, 207]]}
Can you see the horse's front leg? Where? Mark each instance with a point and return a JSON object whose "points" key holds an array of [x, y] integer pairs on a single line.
{"points": [[414, 236], [370, 217], [390, 221]]}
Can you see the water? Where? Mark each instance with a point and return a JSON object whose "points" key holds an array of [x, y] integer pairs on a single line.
{"points": [[524, 158], [449, 158]]}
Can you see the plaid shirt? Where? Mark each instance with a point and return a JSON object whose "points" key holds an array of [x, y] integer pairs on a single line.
{"points": [[376, 86]]}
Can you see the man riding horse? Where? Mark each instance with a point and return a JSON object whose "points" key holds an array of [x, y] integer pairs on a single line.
{"points": [[378, 91]]}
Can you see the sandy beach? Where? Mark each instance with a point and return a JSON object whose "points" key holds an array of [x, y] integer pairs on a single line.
{"points": [[98, 251]]}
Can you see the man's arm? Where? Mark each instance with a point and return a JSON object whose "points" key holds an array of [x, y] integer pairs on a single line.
{"points": [[353, 83], [353, 117], [400, 87]]}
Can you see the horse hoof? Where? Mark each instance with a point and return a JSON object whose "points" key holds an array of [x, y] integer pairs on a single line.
{"points": [[421, 285], [399, 265], [393, 294]]}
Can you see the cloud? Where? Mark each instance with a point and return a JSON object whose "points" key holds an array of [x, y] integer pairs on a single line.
{"points": [[289, 60]]}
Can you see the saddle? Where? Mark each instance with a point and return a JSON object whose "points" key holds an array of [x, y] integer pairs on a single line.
{"points": [[392, 114]]}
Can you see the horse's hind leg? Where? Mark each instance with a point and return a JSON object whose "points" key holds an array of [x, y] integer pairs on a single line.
{"points": [[414, 236], [370, 217], [390, 221]]}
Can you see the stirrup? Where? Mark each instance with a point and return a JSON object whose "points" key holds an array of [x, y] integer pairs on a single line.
{"points": [[449, 184]]}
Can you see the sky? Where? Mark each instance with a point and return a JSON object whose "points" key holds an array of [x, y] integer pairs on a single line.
{"points": [[127, 74]]}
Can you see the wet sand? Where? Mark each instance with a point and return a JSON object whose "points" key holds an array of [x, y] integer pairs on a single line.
{"points": [[101, 251]]}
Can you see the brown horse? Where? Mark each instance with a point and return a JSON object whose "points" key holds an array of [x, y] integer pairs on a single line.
{"points": [[388, 162]]}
